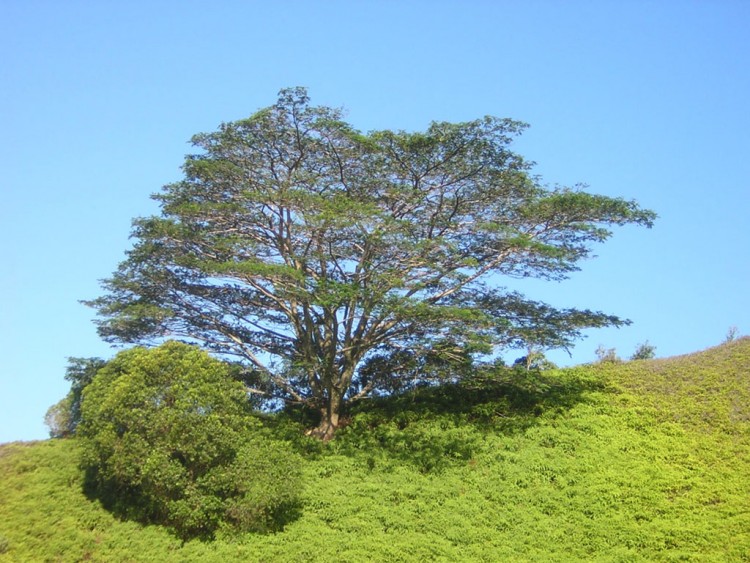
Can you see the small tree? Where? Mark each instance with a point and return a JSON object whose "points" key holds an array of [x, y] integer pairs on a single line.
{"points": [[731, 334], [311, 251], [63, 417], [58, 418], [167, 437], [606, 355], [645, 351]]}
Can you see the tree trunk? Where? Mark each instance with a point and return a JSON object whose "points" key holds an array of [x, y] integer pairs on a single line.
{"points": [[329, 417], [327, 427]]}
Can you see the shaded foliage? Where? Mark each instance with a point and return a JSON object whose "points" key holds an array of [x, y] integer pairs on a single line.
{"points": [[434, 426]]}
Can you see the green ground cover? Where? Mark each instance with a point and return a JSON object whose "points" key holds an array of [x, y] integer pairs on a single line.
{"points": [[640, 461]]}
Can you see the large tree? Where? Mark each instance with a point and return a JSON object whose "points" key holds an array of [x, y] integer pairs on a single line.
{"points": [[335, 262]]}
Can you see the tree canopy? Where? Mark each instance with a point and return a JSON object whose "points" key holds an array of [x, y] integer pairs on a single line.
{"points": [[336, 263]]}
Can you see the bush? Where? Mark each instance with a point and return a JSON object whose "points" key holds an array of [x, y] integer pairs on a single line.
{"points": [[168, 437]]}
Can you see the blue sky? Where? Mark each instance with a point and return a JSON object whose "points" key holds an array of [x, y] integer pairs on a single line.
{"points": [[645, 100]]}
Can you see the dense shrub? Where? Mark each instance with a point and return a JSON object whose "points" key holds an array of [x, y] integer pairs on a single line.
{"points": [[168, 437]]}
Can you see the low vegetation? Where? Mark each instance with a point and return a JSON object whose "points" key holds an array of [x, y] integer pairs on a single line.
{"points": [[644, 460]]}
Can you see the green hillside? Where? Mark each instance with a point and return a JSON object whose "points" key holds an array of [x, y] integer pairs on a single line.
{"points": [[640, 461]]}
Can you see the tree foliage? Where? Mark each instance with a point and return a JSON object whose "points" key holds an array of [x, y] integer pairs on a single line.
{"points": [[167, 437], [313, 252]]}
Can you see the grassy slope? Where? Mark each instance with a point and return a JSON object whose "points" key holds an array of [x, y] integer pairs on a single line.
{"points": [[640, 461]]}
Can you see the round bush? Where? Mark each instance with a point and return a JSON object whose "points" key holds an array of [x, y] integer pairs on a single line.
{"points": [[168, 437]]}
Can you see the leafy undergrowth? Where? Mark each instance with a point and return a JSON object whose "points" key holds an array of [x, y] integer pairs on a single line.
{"points": [[641, 461]]}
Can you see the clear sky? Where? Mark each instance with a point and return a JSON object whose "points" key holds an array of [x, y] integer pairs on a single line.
{"points": [[642, 99]]}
